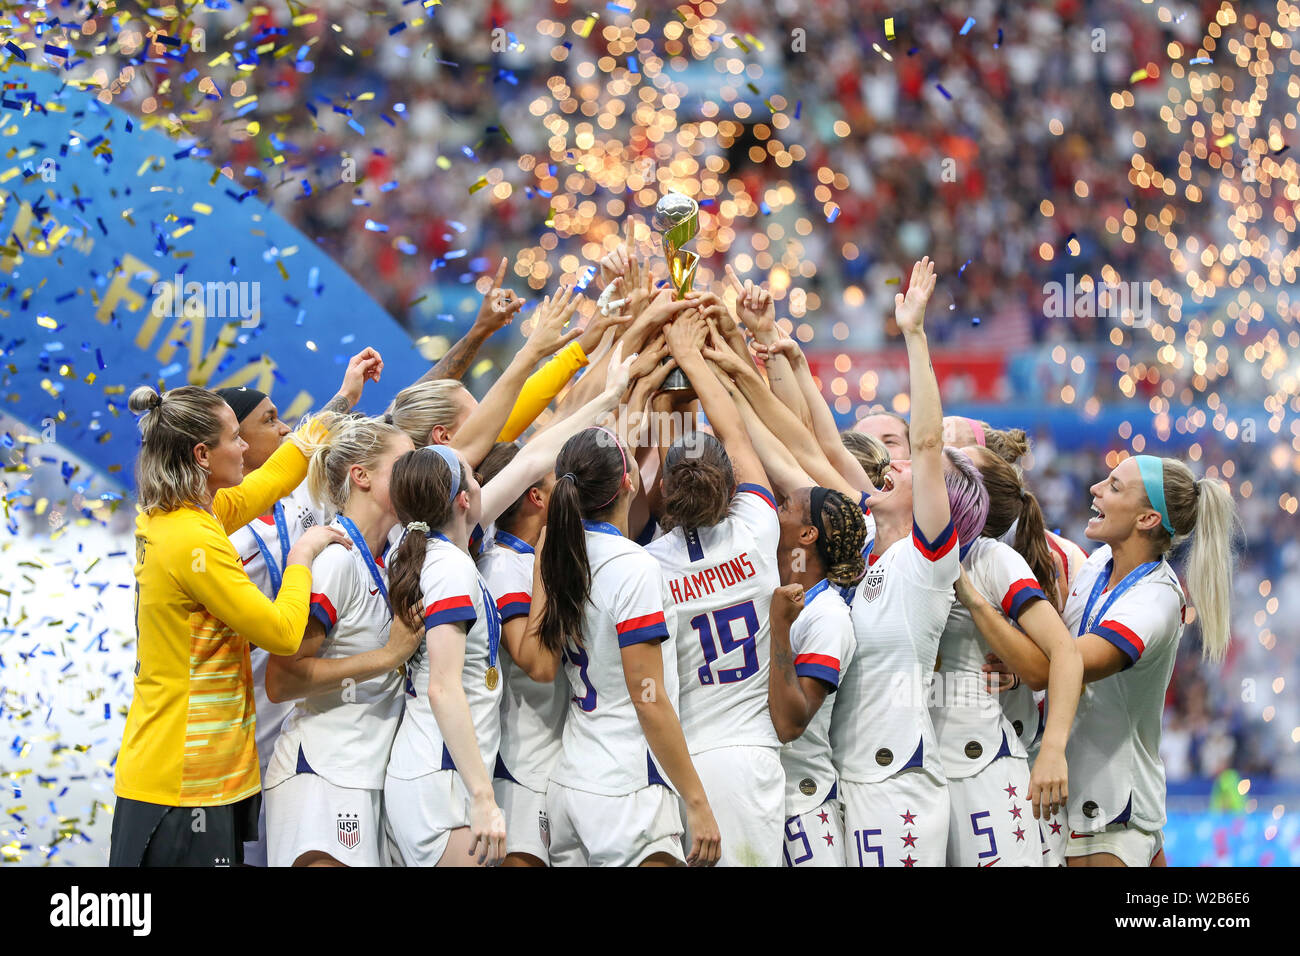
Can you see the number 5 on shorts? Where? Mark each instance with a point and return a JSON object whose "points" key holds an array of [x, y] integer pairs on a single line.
{"points": [[984, 831]]}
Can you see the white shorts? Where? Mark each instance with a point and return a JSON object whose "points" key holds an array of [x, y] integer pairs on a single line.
{"points": [[990, 820], [1054, 831], [422, 813], [528, 828], [815, 838], [306, 812], [593, 829], [901, 821], [746, 791], [1134, 847]]}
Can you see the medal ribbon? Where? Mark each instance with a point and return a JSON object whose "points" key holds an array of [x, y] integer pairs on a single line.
{"points": [[282, 529], [1133, 577], [364, 551]]}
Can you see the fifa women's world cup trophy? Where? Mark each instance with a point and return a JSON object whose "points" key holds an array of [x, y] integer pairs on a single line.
{"points": [[677, 220]]}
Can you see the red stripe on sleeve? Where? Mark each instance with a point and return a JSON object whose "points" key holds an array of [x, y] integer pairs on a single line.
{"points": [[822, 659], [1015, 588], [324, 602], [447, 604], [1137, 642], [516, 597], [648, 620]]}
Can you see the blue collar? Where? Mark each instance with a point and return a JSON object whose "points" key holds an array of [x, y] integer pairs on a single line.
{"points": [[514, 544], [601, 527], [811, 594]]}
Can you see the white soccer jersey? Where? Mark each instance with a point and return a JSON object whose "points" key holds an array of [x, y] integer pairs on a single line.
{"points": [[881, 724], [454, 593], [603, 748], [970, 722], [822, 642], [254, 542], [344, 734], [1116, 775], [532, 713], [720, 581]]}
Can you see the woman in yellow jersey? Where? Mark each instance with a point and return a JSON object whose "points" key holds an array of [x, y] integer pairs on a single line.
{"points": [[187, 775]]}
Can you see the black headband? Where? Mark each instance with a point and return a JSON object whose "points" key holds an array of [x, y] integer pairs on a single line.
{"points": [[242, 400], [816, 499]]}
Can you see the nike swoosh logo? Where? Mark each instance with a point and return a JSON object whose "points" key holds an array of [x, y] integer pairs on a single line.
{"points": [[991, 862], [374, 590], [249, 558]]}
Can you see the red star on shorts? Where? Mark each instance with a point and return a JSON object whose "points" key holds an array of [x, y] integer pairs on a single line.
{"points": [[1015, 812], [1009, 790], [909, 840], [822, 816], [830, 840], [1056, 827], [1020, 834], [909, 817], [909, 862]]}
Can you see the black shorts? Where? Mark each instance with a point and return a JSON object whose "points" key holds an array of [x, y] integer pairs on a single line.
{"points": [[147, 834]]}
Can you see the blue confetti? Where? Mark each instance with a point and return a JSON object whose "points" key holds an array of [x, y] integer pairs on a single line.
{"points": [[946, 94], [1200, 60], [834, 214], [975, 320], [798, 108], [964, 265], [372, 226], [965, 27], [631, 65]]}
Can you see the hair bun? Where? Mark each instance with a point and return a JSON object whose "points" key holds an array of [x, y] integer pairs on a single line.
{"points": [[143, 399]]}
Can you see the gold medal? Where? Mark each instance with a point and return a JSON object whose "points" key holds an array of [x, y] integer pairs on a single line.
{"points": [[491, 678]]}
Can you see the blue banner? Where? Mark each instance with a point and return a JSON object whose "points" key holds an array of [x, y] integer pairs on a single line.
{"points": [[127, 259]]}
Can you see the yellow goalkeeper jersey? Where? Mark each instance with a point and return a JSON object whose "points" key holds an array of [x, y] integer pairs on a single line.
{"points": [[189, 738]]}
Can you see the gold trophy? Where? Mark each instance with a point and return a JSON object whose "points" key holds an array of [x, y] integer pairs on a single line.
{"points": [[677, 220]]}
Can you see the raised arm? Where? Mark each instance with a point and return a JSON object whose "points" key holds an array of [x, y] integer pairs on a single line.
{"points": [[779, 419], [498, 308], [823, 420], [780, 464], [929, 493], [757, 312], [476, 437], [686, 337], [538, 456]]}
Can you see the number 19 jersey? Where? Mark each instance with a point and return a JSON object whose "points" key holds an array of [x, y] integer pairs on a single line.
{"points": [[721, 580]]}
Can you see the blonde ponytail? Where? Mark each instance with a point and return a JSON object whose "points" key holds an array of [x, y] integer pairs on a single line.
{"points": [[358, 441], [1210, 566]]}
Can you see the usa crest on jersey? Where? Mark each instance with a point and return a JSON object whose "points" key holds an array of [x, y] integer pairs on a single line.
{"points": [[349, 830], [874, 583]]}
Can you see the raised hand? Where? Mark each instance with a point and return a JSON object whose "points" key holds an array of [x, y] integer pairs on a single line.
{"points": [[499, 305], [724, 357], [363, 367], [618, 376], [754, 306], [909, 309], [548, 335], [686, 334], [787, 603], [663, 307]]}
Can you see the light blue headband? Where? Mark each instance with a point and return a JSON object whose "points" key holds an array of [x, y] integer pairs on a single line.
{"points": [[453, 464], [1153, 478]]}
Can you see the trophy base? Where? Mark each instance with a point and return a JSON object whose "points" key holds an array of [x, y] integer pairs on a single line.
{"points": [[676, 382]]}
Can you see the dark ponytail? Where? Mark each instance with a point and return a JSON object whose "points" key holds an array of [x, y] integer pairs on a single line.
{"points": [[698, 482], [589, 474], [1010, 502], [420, 490]]}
